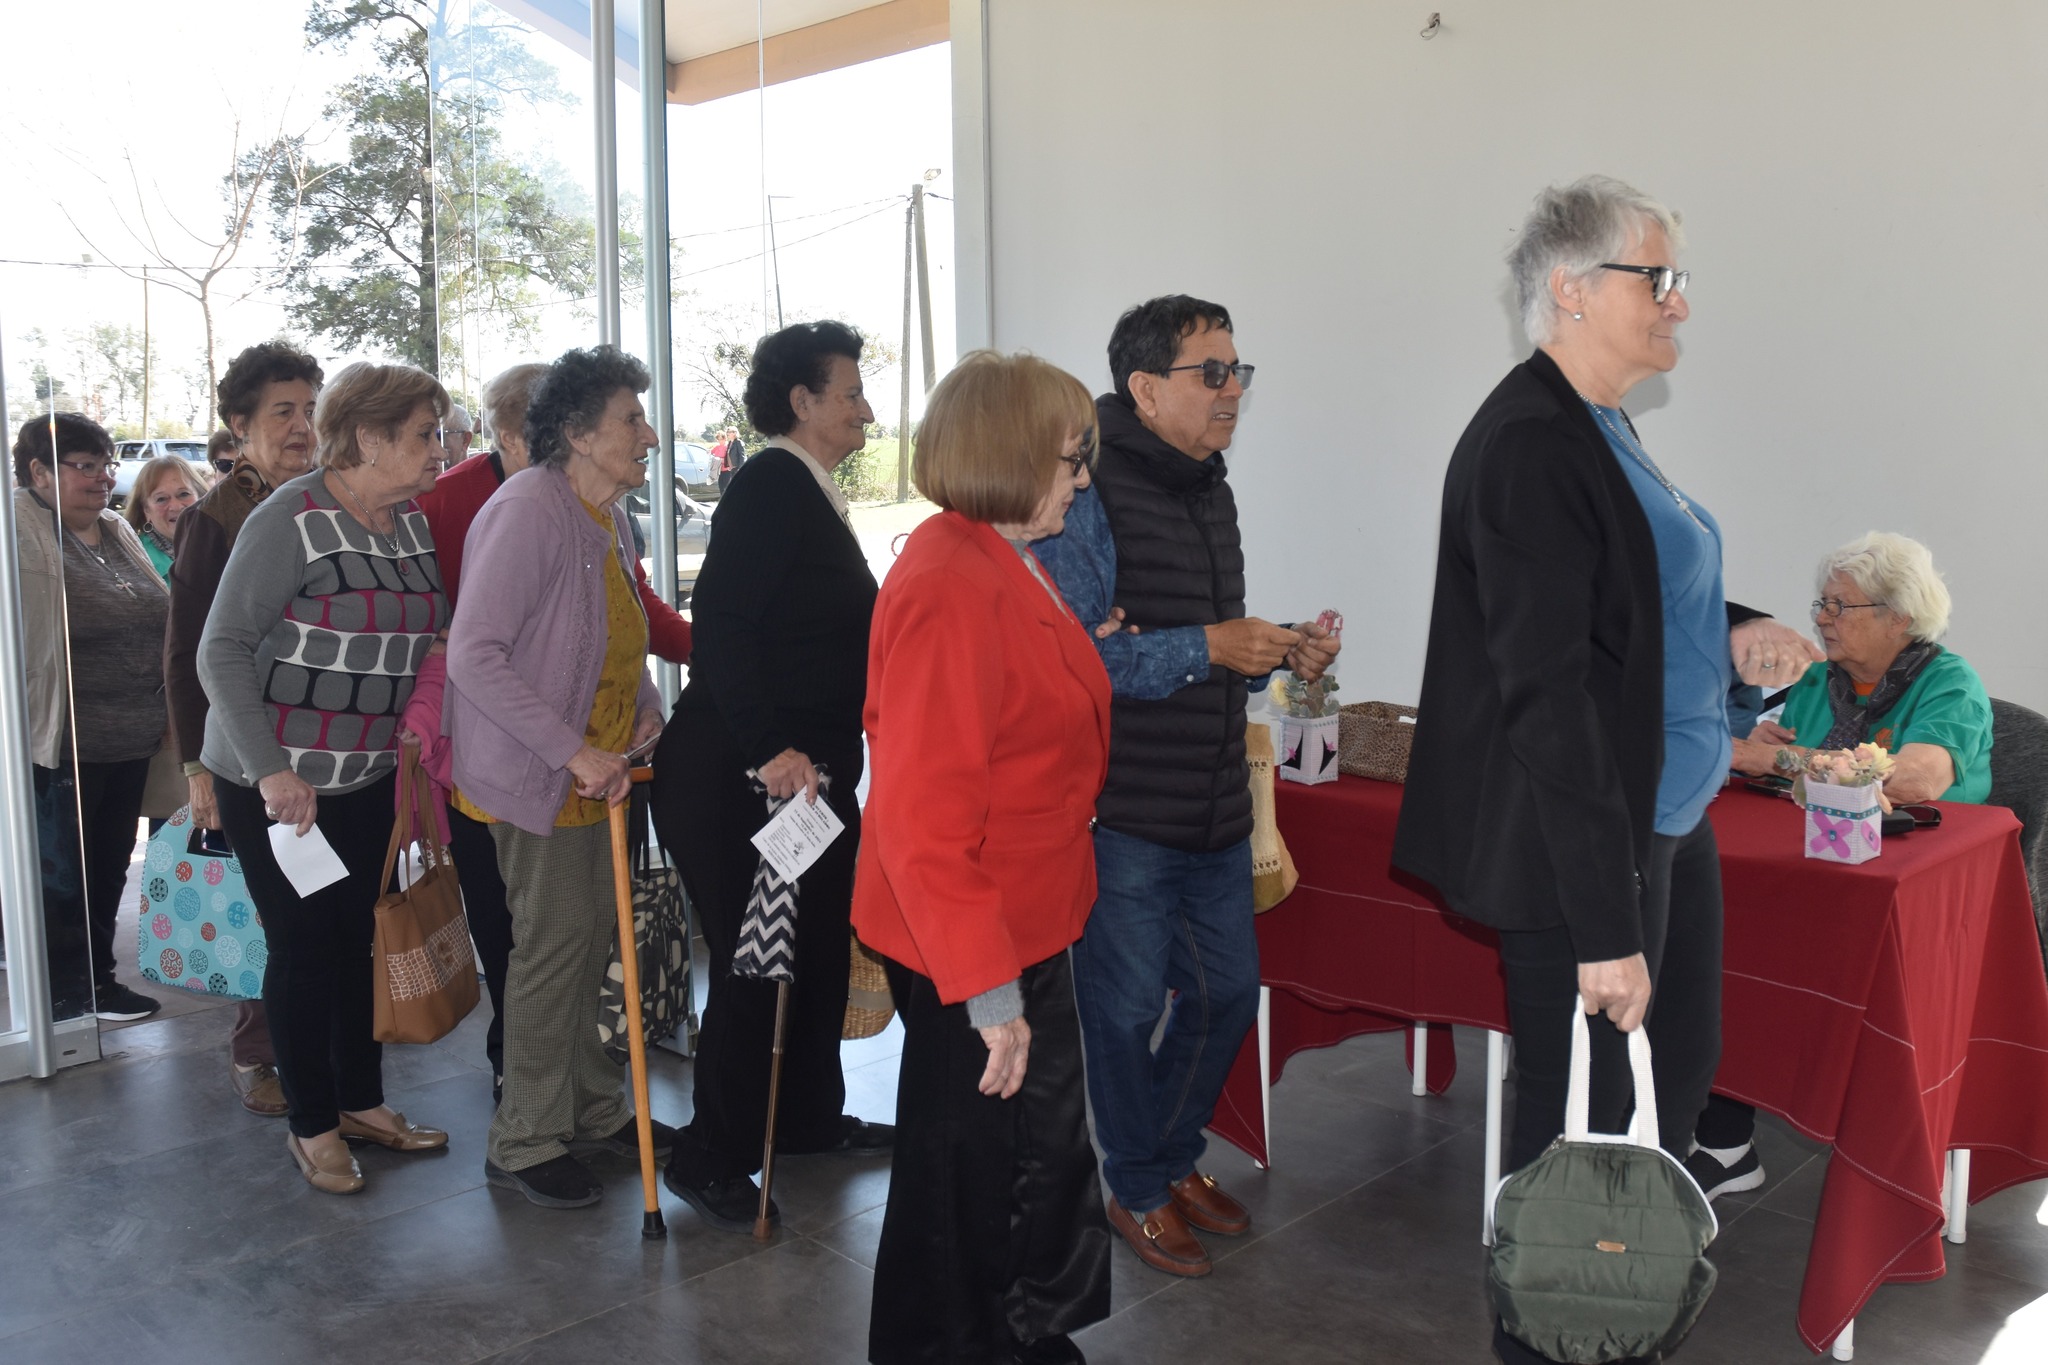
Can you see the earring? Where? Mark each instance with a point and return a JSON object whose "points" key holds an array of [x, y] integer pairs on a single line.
{"points": [[1578, 317]]}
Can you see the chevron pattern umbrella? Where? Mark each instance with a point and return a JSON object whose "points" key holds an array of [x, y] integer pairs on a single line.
{"points": [[767, 947], [767, 952]]}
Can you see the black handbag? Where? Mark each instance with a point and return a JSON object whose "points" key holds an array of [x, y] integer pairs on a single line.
{"points": [[661, 932], [1599, 1250]]}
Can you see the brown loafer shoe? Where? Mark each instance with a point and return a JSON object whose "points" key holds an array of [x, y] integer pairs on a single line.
{"points": [[1162, 1240], [401, 1137], [1202, 1202], [330, 1176], [259, 1088]]}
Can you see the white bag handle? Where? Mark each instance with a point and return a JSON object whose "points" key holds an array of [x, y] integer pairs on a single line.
{"points": [[1579, 1096]]}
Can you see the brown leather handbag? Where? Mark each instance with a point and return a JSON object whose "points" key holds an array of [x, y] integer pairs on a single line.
{"points": [[425, 967]]}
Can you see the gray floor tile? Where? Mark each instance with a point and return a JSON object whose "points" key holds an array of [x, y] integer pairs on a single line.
{"points": [[798, 1304]]}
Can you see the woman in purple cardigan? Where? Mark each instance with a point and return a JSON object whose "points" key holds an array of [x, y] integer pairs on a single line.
{"points": [[548, 691]]}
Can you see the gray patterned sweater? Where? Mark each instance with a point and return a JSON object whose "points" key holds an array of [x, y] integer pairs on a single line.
{"points": [[314, 639]]}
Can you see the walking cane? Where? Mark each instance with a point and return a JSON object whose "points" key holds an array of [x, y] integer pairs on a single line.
{"points": [[762, 1232], [651, 1225]]}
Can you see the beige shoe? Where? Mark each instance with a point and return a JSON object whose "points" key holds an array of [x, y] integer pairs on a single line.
{"points": [[401, 1136], [330, 1176], [259, 1089]]}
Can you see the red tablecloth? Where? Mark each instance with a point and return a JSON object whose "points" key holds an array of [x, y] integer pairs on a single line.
{"points": [[1896, 1009]]}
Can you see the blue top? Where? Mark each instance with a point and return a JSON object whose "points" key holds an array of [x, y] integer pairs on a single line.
{"points": [[1082, 560], [1697, 668]]}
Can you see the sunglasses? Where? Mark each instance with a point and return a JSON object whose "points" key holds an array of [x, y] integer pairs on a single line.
{"points": [[1216, 372], [1663, 279]]}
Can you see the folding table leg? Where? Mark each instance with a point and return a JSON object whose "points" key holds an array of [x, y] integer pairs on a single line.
{"points": [[1418, 1086], [1957, 1195], [1845, 1344], [1266, 1073], [1496, 1080]]}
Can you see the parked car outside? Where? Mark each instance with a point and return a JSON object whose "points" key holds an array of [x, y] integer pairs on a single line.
{"points": [[133, 455], [693, 532], [697, 468]]}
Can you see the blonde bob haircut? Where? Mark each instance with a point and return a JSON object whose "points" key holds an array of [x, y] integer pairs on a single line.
{"points": [[380, 397], [992, 434]]}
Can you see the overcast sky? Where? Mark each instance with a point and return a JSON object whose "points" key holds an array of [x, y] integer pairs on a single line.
{"points": [[166, 85]]}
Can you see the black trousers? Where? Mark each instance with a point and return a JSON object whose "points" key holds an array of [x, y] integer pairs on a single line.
{"points": [[706, 813], [86, 833], [490, 918], [1682, 947], [316, 985], [994, 1233]]}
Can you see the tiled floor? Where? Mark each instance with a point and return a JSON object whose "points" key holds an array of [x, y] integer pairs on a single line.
{"points": [[145, 1217]]}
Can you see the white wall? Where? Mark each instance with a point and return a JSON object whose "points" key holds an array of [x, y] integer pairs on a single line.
{"points": [[1864, 182]]}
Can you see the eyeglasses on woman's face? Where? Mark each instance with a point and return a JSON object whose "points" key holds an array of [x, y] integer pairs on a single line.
{"points": [[1831, 608], [1663, 279], [92, 469], [1083, 457]]}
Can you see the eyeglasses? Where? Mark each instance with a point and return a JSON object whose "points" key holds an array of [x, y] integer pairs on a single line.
{"points": [[1663, 279], [1215, 372], [92, 469], [1078, 462], [1829, 608]]}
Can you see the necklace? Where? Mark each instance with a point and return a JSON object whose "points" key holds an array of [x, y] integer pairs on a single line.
{"points": [[120, 581], [390, 542], [1628, 442]]}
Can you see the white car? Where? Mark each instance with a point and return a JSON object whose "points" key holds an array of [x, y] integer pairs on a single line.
{"points": [[697, 467], [693, 531], [133, 455]]}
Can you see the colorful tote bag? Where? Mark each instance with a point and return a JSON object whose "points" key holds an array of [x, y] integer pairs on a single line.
{"points": [[199, 927]]}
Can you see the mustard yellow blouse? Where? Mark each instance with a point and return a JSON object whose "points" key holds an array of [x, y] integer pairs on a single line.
{"points": [[618, 687]]}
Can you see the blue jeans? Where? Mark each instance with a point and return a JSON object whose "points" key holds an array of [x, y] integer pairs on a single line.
{"points": [[1163, 920]]}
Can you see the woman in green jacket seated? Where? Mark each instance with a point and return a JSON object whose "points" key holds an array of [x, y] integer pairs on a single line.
{"points": [[1882, 607]]}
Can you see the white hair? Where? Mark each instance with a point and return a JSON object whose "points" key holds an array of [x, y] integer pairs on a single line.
{"points": [[458, 419], [1897, 571], [1579, 226]]}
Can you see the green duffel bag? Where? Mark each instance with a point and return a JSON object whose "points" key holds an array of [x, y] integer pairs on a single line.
{"points": [[1599, 1245]]}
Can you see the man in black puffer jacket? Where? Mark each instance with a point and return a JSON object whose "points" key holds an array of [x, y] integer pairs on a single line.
{"points": [[1157, 535]]}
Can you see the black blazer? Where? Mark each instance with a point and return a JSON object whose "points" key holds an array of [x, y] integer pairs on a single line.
{"points": [[781, 607], [1532, 787]]}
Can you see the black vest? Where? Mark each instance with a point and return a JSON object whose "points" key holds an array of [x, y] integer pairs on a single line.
{"points": [[1177, 774]]}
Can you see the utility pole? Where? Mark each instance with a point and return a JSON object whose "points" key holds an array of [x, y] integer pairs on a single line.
{"points": [[903, 421], [924, 286], [774, 258], [145, 353]]}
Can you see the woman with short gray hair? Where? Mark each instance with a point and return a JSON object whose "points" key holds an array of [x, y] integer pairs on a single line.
{"points": [[548, 692], [1577, 670], [1882, 608]]}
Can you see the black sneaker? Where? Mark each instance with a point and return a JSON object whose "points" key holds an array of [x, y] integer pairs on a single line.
{"points": [[1715, 1179], [117, 1004], [626, 1141], [563, 1183], [857, 1137], [730, 1205]]}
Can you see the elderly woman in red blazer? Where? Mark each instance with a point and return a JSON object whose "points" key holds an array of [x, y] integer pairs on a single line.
{"points": [[988, 721]]}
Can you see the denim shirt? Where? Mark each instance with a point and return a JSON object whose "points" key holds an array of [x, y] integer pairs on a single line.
{"points": [[1082, 560]]}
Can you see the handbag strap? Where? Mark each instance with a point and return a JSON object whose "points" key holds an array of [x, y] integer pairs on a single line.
{"points": [[1578, 1100], [414, 819]]}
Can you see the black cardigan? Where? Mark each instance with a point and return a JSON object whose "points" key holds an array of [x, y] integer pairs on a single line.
{"points": [[1532, 788], [780, 615]]}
